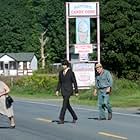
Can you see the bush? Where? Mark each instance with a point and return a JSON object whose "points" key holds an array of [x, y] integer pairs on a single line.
{"points": [[37, 83], [87, 94], [122, 84], [132, 75]]}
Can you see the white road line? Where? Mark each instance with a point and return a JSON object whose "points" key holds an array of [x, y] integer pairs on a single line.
{"points": [[112, 135], [44, 120], [80, 108]]}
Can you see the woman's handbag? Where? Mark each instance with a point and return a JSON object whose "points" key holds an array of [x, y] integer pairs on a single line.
{"points": [[8, 101]]}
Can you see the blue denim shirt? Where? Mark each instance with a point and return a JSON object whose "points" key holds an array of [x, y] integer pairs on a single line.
{"points": [[104, 80]]}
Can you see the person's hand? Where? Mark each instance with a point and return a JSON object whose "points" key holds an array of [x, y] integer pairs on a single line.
{"points": [[57, 93], [76, 94], [95, 92], [108, 90]]}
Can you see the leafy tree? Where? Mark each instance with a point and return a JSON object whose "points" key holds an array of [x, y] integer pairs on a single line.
{"points": [[22, 22], [120, 36], [54, 21], [20, 26]]}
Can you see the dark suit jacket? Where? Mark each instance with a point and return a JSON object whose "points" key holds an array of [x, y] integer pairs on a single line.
{"points": [[66, 82]]}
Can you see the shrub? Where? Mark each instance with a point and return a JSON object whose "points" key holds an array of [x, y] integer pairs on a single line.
{"points": [[38, 83]]}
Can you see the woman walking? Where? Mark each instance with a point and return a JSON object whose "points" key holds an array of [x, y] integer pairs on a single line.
{"points": [[4, 90]]}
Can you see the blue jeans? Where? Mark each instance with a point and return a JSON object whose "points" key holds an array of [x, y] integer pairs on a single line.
{"points": [[103, 103]]}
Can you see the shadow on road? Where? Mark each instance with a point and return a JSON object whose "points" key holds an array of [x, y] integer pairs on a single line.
{"points": [[95, 118], [138, 113], [4, 127], [53, 121]]}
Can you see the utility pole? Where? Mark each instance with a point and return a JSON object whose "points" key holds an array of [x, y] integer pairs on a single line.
{"points": [[43, 43]]}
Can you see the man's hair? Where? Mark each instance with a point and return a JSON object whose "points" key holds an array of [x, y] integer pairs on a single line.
{"points": [[66, 62], [98, 65]]}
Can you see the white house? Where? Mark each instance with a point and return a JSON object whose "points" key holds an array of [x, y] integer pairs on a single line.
{"points": [[14, 64]]}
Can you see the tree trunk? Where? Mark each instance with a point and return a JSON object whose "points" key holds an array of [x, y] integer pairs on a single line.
{"points": [[43, 43], [42, 57]]}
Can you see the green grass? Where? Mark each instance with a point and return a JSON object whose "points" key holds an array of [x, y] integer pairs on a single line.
{"points": [[125, 93], [126, 100], [123, 98], [30, 93]]}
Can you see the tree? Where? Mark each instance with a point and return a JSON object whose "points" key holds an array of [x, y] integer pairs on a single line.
{"points": [[120, 35], [22, 22], [43, 43], [20, 26], [54, 21]]}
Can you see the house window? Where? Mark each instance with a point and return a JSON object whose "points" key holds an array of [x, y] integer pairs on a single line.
{"points": [[1, 65], [25, 65], [12, 65]]}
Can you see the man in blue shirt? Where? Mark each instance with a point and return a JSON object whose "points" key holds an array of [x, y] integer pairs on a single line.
{"points": [[103, 85]]}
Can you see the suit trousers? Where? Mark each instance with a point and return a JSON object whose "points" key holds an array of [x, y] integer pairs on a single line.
{"points": [[66, 105]]}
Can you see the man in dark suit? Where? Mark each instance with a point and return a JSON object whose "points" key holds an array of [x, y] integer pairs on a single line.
{"points": [[65, 83]]}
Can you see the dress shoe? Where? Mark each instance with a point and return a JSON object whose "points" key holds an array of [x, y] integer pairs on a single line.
{"points": [[61, 122], [73, 121], [12, 126], [109, 116]]}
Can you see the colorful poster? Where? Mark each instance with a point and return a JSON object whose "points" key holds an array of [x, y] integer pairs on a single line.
{"points": [[82, 30], [85, 74], [86, 48], [82, 8], [83, 57]]}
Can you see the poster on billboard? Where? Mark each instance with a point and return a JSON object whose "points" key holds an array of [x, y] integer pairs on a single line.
{"points": [[85, 74], [82, 30], [83, 48], [83, 57], [82, 8]]}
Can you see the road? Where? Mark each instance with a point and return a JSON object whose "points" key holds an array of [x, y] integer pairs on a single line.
{"points": [[38, 121]]}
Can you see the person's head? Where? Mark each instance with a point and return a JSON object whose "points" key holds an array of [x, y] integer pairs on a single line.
{"points": [[65, 64], [99, 68]]}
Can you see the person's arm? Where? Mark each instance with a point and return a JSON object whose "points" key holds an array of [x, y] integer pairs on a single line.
{"points": [[6, 89], [110, 81], [75, 83], [58, 85], [96, 83]]}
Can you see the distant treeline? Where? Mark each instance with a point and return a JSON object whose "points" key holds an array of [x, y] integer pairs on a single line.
{"points": [[23, 21]]}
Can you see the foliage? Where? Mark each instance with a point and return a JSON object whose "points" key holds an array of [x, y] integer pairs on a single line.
{"points": [[124, 93], [55, 21], [16, 27], [121, 34], [22, 22], [124, 84], [37, 83]]}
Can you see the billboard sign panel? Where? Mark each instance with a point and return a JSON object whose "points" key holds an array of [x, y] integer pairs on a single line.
{"points": [[85, 48], [82, 30], [83, 57], [85, 74], [82, 9]]}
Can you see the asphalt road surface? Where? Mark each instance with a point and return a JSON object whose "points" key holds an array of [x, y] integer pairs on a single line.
{"points": [[37, 120]]}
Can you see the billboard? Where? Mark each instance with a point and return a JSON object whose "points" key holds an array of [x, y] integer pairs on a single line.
{"points": [[82, 30], [82, 9], [83, 48], [85, 74]]}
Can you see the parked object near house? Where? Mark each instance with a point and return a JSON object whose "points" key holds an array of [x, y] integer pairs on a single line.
{"points": [[14, 64]]}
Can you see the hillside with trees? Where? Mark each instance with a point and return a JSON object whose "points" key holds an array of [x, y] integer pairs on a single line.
{"points": [[22, 23]]}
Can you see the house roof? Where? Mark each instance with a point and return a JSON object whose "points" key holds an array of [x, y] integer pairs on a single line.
{"points": [[19, 56]]}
